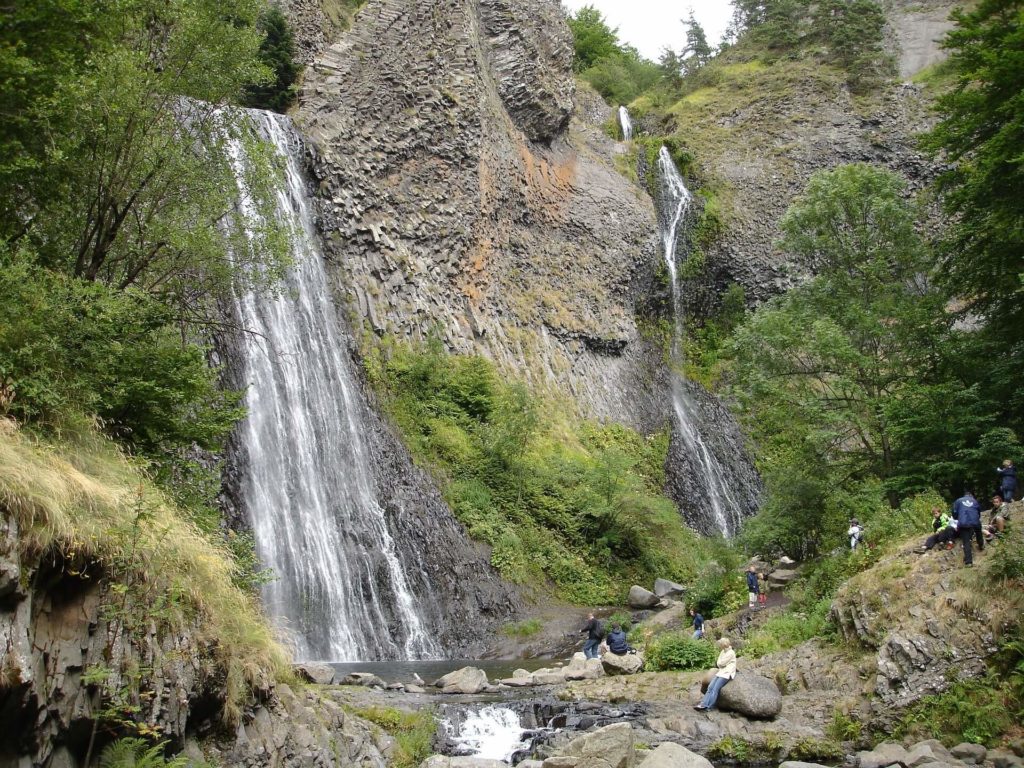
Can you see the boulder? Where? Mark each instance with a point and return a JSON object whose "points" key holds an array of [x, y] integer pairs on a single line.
{"points": [[800, 764], [518, 682], [666, 588], [549, 677], [591, 671], [973, 754], [781, 577], [641, 598], [931, 751], [410, 688], [561, 761], [366, 679], [1004, 758], [885, 754], [670, 755], [465, 680], [441, 761], [522, 673], [310, 672], [627, 664], [608, 747], [752, 696]]}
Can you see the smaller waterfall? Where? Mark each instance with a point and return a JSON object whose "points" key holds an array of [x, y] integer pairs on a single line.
{"points": [[491, 733], [626, 123], [676, 201]]}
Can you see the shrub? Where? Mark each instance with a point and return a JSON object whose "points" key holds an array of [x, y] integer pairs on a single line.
{"points": [[843, 727], [413, 732], [523, 629], [679, 651], [786, 630], [976, 711]]}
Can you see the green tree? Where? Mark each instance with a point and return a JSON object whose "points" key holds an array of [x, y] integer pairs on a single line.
{"points": [[277, 52], [594, 40], [697, 51], [821, 366], [980, 135], [853, 31]]}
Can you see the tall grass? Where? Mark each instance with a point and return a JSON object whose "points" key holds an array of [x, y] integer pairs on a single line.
{"points": [[84, 499]]}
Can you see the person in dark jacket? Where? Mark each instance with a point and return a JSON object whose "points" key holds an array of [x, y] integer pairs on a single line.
{"points": [[617, 641], [595, 634], [753, 590], [967, 512], [1007, 481], [698, 625]]}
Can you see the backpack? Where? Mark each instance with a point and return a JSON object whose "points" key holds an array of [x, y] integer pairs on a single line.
{"points": [[601, 631]]}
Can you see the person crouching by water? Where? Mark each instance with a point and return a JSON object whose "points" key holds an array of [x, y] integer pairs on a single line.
{"points": [[726, 666], [616, 640], [595, 635]]}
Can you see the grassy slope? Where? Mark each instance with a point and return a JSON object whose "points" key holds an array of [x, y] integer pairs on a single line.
{"points": [[85, 500]]}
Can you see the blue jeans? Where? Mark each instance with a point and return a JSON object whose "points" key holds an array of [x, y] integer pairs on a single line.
{"points": [[698, 634], [711, 697], [590, 648]]}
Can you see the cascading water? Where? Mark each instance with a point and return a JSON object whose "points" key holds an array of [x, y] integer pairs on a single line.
{"points": [[307, 485], [491, 733], [626, 123], [676, 202]]}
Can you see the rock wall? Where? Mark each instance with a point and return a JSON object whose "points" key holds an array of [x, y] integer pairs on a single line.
{"points": [[68, 658], [461, 195]]}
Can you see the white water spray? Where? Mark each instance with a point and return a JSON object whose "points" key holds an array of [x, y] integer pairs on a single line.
{"points": [[626, 123], [307, 485], [492, 733]]}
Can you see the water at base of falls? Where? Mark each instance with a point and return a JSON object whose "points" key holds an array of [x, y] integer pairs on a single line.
{"points": [[626, 124], [492, 733], [676, 201], [307, 485]]}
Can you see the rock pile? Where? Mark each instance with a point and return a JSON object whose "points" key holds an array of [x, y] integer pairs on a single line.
{"points": [[932, 754]]}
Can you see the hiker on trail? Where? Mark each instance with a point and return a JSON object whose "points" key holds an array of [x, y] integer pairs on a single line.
{"points": [[698, 625], [752, 588], [967, 512], [726, 666], [943, 531], [617, 643], [997, 518], [855, 533], [1007, 480], [595, 634]]}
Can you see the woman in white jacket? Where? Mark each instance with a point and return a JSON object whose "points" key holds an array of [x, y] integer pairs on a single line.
{"points": [[726, 665]]}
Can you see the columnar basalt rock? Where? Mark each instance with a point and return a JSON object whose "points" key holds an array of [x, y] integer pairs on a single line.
{"points": [[458, 197]]}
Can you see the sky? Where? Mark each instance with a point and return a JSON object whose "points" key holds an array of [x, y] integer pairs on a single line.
{"points": [[651, 25]]}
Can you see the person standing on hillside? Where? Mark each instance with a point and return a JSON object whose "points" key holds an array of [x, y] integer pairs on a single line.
{"points": [[968, 518], [752, 588], [1007, 480], [698, 625], [595, 634]]}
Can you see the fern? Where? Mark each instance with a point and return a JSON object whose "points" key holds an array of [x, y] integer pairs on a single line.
{"points": [[136, 753]]}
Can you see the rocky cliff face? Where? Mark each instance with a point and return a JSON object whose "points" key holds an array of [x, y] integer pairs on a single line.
{"points": [[461, 195]]}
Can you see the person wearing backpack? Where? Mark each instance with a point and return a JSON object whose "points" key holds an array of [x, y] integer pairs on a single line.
{"points": [[595, 634], [967, 512]]}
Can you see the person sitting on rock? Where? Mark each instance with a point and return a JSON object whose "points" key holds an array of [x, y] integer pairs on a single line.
{"points": [[997, 518], [595, 634], [726, 666], [753, 590], [616, 640], [1007, 481], [698, 625], [943, 530]]}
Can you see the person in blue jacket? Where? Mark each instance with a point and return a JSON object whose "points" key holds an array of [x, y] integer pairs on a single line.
{"points": [[753, 590], [698, 625], [967, 512], [617, 642], [1007, 481]]}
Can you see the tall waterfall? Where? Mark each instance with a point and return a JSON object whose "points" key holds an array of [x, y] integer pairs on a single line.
{"points": [[676, 202], [626, 123], [307, 485]]}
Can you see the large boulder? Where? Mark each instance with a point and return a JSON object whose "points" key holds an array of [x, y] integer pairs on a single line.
{"points": [[642, 598], [752, 696], [973, 754], [666, 588], [310, 672], [465, 680], [582, 668], [670, 755], [365, 679], [627, 664], [781, 577], [884, 754], [608, 747]]}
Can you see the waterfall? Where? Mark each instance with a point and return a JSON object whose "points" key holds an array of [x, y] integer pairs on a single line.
{"points": [[491, 733], [626, 124], [676, 201], [307, 484]]}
